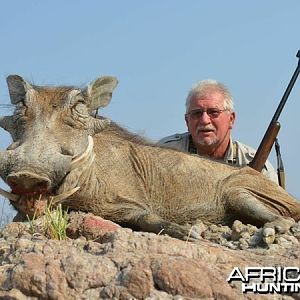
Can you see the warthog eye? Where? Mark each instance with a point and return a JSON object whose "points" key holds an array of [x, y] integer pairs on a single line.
{"points": [[78, 117], [21, 108], [80, 108]]}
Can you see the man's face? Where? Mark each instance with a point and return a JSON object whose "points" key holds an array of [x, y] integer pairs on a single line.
{"points": [[210, 129]]}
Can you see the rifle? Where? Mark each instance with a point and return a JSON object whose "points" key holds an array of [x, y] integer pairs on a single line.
{"points": [[270, 136]]}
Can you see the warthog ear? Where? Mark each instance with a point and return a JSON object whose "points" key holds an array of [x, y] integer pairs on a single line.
{"points": [[99, 92], [17, 87], [8, 124]]}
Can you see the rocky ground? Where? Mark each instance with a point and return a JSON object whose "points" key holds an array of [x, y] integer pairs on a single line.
{"points": [[100, 260]]}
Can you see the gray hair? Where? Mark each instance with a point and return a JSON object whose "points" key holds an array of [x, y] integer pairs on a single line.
{"points": [[210, 85]]}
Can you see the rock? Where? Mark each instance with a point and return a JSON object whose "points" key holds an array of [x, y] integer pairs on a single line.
{"points": [[123, 264], [88, 225], [237, 229], [189, 278]]}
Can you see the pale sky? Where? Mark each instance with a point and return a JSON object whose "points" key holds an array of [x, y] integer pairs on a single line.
{"points": [[158, 50]]}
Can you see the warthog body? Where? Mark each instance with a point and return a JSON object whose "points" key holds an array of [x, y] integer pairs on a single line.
{"points": [[121, 177]]}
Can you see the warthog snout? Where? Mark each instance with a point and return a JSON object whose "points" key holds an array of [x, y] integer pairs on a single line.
{"points": [[28, 183]]}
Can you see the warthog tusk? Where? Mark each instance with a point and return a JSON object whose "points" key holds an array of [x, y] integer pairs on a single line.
{"points": [[63, 196], [81, 158], [9, 196]]}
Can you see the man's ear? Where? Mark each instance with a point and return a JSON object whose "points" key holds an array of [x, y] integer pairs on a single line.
{"points": [[186, 120], [232, 120], [99, 92]]}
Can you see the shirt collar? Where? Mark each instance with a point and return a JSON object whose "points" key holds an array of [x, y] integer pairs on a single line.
{"points": [[230, 154]]}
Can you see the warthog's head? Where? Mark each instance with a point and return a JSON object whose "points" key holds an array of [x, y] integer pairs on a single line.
{"points": [[51, 130]]}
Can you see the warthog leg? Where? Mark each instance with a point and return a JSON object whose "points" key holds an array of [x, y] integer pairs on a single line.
{"points": [[242, 204], [280, 224], [150, 222]]}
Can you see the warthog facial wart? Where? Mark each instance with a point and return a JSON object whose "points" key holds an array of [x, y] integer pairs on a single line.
{"points": [[62, 152]]}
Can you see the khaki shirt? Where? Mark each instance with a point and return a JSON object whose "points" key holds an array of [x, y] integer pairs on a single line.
{"points": [[237, 154]]}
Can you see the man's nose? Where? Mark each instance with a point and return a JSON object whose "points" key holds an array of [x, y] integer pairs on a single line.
{"points": [[204, 119]]}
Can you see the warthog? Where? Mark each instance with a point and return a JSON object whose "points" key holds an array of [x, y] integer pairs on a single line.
{"points": [[61, 151]]}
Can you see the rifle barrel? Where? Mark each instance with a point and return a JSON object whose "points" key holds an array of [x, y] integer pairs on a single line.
{"points": [[287, 91], [267, 142]]}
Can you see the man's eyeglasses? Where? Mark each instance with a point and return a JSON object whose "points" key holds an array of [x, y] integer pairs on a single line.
{"points": [[211, 112]]}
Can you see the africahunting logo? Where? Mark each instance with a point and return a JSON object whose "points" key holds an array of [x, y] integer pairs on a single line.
{"points": [[267, 280]]}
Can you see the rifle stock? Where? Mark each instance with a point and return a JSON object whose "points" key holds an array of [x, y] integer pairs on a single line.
{"points": [[265, 147]]}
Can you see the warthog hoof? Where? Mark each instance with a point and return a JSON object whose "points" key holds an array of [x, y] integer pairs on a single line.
{"points": [[268, 235]]}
